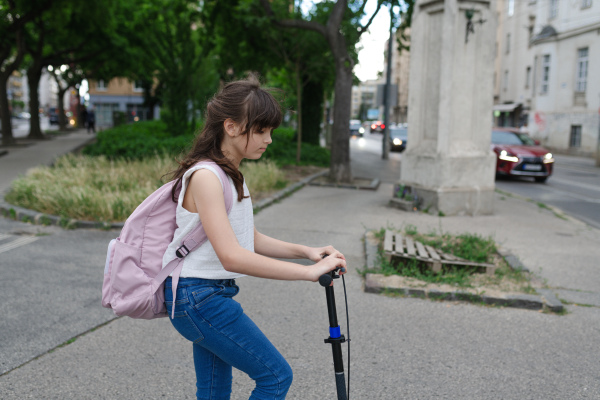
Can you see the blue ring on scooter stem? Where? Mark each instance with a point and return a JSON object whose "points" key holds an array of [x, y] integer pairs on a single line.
{"points": [[335, 333]]}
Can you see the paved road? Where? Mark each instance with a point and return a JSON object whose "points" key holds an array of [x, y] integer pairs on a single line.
{"points": [[574, 187], [365, 154]]}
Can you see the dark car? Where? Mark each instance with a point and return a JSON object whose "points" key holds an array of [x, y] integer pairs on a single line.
{"points": [[356, 128], [398, 138], [377, 126], [53, 115], [519, 155]]}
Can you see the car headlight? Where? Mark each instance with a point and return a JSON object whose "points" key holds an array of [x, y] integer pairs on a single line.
{"points": [[361, 130], [504, 155], [548, 158], [397, 142]]}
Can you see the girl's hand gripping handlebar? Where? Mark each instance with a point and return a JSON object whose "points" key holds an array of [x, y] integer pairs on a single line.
{"points": [[327, 278]]}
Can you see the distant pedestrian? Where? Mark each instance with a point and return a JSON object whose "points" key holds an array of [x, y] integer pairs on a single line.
{"points": [[239, 122], [91, 121], [84, 116]]}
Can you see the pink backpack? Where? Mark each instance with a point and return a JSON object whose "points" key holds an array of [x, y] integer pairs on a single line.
{"points": [[133, 274]]}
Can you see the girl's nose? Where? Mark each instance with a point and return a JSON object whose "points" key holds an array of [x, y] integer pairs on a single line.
{"points": [[268, 139]]}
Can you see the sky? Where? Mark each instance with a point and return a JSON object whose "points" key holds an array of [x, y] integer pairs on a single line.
{"points": [[372, 43]]}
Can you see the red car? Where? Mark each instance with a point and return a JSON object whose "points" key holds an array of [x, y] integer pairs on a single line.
{"points": [[519, 155]]}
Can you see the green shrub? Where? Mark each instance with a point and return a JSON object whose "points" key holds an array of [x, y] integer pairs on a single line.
{"points": [[148, 138], [137, 141], [283, 150]]}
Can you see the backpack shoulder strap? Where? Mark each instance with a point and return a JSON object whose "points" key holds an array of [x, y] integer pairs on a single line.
{"points": [[197, 236]]}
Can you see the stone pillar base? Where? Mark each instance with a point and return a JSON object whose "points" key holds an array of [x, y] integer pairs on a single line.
{"points": [[455, 201]]}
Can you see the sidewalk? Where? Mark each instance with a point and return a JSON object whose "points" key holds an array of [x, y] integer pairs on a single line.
{"points": [[19, 159], [402, 348]]}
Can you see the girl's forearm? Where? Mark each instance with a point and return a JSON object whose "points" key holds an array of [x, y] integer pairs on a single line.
{"points": [[243, 261], [270, 247]]}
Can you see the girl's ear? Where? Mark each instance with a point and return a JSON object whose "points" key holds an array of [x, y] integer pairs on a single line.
{"points": [[231, 127]]}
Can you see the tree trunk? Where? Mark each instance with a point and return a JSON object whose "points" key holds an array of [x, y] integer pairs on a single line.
{"points": [[312, 112], [340, 148], [34, 75], [62, 118], [299, 112], [7, 135]]}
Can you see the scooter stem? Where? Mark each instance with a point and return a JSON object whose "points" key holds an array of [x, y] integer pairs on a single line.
{"points": [[336, 339]]}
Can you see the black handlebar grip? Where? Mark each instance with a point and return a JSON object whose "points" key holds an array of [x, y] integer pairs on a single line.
{"points": [[325, 280]]}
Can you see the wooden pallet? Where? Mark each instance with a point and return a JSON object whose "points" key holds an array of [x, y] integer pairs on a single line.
{"points": [[397, 246]]}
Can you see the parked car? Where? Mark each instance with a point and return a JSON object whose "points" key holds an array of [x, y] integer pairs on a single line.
{"points": [[377, 126], [398, 138], [53, 115], [519, 155], [356, 128]]}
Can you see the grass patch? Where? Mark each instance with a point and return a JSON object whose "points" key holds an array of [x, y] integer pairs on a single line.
{"points": [[263, 176], [467, 246], [99, 189]]}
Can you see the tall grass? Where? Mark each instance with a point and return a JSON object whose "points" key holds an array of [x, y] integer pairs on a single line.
{"points": [[263, 176], [90, 188], [98, 189]]}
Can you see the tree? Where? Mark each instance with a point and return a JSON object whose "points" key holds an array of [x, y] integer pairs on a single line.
{"points": [[63, 37], [174, 63], [341, 39], [14, 16], [298, 62], [403, 37]]}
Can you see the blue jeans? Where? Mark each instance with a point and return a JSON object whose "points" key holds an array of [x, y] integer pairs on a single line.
{"points": [[223, 336]]}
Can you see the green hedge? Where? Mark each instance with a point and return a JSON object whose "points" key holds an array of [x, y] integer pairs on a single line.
{"points": [[137, 141], [283, 150], [147, 138]]}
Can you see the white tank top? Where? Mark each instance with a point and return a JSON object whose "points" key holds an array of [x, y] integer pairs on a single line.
{"points": [[203, 262]]}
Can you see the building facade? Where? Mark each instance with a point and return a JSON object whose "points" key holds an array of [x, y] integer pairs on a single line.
{"points": [[547, 75], [119, 94], [364, 98], [399, 78]]}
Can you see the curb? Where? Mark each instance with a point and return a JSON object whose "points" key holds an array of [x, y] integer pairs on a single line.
{"points": [[374, 185], [35, 217], [286, 192], [379, 283]]}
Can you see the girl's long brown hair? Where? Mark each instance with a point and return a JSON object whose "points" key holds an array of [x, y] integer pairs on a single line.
{"points": [[246, 103]]}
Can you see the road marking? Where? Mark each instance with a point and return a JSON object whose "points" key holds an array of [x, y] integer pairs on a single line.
{"points": [[4, 236], [18, 242], [577, 184]]}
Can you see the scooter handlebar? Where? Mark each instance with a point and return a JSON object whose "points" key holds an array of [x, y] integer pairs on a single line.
{"points": [[326, 279]]}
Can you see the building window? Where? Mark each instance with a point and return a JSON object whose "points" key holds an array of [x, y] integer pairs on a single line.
{"points": [[545, 74], [582, 67], [527, 77], [137, 86], [575, 137], [100, 85], [511, 7], [553, 10], [505, 83], [586, 3], [507, 43]]}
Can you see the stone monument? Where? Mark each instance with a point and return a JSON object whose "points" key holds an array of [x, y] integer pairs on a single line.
{"points": [[448, 162]]}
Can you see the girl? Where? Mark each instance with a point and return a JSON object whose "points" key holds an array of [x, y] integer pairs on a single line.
{"points": [[239, 122]]}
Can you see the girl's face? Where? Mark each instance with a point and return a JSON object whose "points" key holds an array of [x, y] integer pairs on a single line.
{"points": [[251, 146], [257, 143]]}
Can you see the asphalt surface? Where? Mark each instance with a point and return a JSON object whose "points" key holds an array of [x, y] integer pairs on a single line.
{"points": [[57, 342]]}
